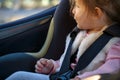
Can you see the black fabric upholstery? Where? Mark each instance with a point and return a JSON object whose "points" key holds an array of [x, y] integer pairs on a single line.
{"points": [[114, 30], [63, 23]]}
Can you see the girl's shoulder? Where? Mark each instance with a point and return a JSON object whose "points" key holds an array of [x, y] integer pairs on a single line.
{"points": [[114, 51]]}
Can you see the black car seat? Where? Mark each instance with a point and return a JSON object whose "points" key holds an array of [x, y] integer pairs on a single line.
{"points": [[61, 24]]}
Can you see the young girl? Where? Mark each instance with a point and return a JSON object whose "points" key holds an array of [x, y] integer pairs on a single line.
{"points": [[92, 17]]}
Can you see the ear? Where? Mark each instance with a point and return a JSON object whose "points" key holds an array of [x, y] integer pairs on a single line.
{"points": [[98, 12]]}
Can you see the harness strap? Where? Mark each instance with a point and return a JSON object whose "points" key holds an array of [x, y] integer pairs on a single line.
{"points": [[66, 62], [91, 53]]}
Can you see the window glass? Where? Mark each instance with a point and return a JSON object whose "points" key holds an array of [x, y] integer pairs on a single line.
{"points": [[11, 10]]}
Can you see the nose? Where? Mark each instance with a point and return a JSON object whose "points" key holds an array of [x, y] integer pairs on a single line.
{"points": [[73, 11]]}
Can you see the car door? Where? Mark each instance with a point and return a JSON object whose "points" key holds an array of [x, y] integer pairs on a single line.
{"points": [[27, 34]]}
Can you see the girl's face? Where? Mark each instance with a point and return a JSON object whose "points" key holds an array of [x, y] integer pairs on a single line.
{"points": [[85, 20]]}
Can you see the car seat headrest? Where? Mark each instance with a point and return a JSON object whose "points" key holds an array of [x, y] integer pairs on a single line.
{"points": [[114, 30]]}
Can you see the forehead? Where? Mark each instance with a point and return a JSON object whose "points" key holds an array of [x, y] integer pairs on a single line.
{"points": [[78, 2]]}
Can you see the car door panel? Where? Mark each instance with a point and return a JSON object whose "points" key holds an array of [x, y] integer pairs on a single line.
{"points": [[25, 35]]}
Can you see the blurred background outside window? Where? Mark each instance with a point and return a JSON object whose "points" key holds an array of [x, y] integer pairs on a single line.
{"points": [[11, 10]]}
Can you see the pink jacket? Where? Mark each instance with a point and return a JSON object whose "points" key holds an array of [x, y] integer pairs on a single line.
{"points": [[111, 64], [109, 60]]}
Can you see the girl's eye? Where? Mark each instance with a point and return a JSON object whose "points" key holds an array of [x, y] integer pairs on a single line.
{"points": [[77, 6]]}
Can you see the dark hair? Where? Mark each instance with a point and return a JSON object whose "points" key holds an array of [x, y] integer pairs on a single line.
{"points": [[110, 7]]}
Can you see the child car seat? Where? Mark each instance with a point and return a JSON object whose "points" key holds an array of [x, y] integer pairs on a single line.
{"points": [[61, 25]]}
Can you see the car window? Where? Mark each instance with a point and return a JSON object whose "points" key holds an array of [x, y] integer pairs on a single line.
{"points": [[11, 10]]}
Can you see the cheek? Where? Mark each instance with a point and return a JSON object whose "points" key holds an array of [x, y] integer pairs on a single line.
{"points": [[79, 18], [85, 23]]}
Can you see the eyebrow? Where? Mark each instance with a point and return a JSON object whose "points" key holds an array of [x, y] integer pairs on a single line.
{"points": [[76, 2]]}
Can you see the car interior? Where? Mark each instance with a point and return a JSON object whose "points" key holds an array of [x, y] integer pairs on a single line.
{"points": [[42, 35], [34, 37]]}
